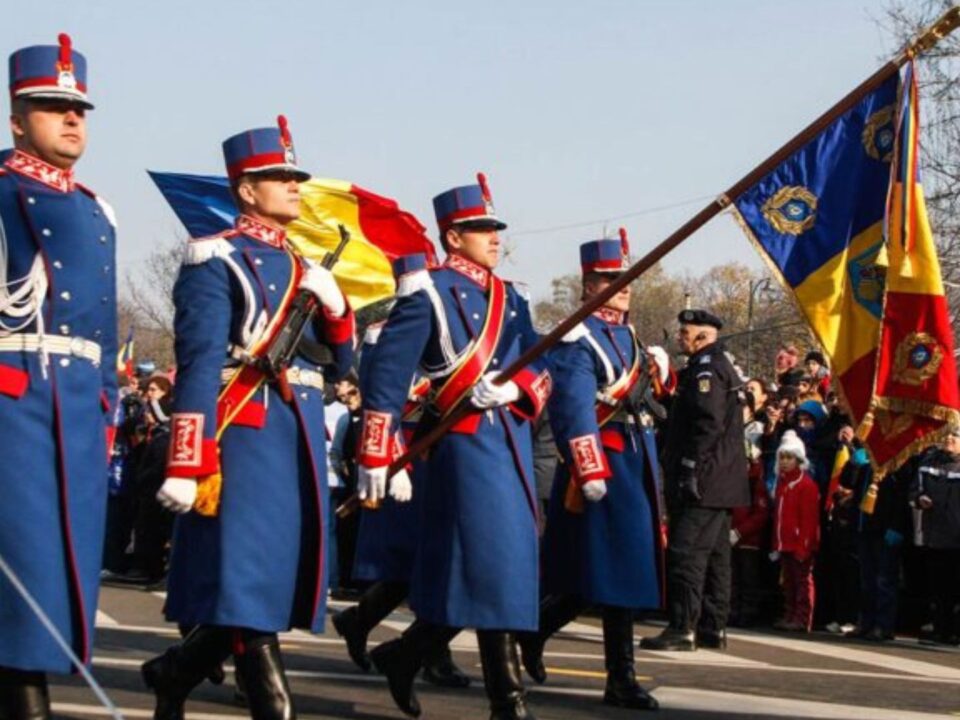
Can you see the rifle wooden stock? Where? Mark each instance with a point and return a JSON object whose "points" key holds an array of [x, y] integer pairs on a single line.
{"points": [[946, 24]]}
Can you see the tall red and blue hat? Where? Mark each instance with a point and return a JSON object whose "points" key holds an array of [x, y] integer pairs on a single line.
{"points": [[406, 264], [467, 205], [261, 150], [605, 256], [50, 72]]}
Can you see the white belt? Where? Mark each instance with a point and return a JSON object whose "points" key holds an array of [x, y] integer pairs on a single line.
{"points": [[295, 376], [53, 344]]}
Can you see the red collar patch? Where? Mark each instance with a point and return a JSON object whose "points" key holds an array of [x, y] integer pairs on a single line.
{"points": [[37, 169], [276, 237], [469, 269]]}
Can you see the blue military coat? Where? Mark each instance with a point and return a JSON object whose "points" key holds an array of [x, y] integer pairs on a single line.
{"points": [[56, 408], [259, 563], [609, 554], [476, 560]]}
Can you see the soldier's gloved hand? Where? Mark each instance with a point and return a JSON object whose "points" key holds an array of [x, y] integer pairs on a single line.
{"points": [[594, 490], [689, 487], [178, 494], [371, 482], [401, 489], [661, 361], [320, 281], [487, 394]]}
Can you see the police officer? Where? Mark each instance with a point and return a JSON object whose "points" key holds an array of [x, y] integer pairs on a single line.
{"points": [[705, 466], [246, 459], [601, 545], [476, 557], [387, 539], [58, 386]]}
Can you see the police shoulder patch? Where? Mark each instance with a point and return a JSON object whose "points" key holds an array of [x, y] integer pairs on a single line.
{"points": [[703, 384]]}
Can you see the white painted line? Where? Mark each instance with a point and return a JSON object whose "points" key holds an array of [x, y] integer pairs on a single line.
{"points": [[162, 594], [856, 655], [99, 710], [740, 705], [104, 620]]}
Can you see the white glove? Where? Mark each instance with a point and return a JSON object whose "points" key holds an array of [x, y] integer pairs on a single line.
{"points": [[320, 281], [594, 490], [486, 394], [401, 489], [178, 494], [662, 361], [734, 537], [371, 482], [774, 556]]}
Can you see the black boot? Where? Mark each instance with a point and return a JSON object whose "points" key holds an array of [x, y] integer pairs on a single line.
{"points": [[670, 639], [400, 660], [181, 668], [260, 673], [501, 676], [23, 695], [555, 612], [713, 639], [354, 624], [439, 669], [622, 689]]}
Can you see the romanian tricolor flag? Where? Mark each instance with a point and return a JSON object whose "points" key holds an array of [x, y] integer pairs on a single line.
{"points": [[379, 230], [125, 356], [818, 220], [915, 393]]}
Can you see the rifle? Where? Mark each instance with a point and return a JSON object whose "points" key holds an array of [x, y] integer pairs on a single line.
{"points": [[278, 356]]}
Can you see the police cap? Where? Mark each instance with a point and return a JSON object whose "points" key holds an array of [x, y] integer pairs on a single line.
{"points": [[699, 317]]}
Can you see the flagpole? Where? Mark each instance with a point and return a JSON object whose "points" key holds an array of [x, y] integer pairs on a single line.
{"points": [[929, 37]]}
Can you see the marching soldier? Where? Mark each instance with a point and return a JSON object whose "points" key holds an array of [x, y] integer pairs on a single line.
{"points": [[601, 545], [58, 385], [247, 451], [387, 541], [476, 558], [705, 466]]}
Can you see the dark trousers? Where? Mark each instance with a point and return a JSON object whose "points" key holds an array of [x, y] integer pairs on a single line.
{"points": [[698, 569], [799, 590], [746, 590], [837, 574], [879, 583], [943, 567], [153, 530]]}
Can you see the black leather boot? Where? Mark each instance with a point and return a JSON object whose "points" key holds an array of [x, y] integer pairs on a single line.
{"points": [[400, 660], [501, 676], [622, 689], [440, 669], [713, 639], [260, 672], [23, 695], [555, 612], [671, 639], [354, 624], [181, 668]]}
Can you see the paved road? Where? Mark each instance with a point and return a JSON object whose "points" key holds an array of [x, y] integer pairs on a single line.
{"points": [[760, 676]]}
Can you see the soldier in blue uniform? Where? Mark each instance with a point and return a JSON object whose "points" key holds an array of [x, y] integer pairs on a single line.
{"points": [[247, 459], [476, 558], [58, 385], [605, 551], [387, 541]]}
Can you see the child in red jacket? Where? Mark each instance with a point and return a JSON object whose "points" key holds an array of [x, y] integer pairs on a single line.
{"points": [[796, 532]]}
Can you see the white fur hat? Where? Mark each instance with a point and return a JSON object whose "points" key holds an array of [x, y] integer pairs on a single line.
{"points": [[791, 444]]}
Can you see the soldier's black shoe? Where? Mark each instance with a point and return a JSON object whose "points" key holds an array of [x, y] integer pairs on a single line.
{"points": [[622, 688], [712, 639], [181, 668], [347, 625], [260, 672], [531, 653], [670, 639], [23, 695], [501, 676], [555, 612], [391, 660], [440, 670], [626, 692]]}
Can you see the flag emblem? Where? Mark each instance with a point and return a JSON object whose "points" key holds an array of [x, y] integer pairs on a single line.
{"points": [[792, 210], [867, 280], [879, 134], [918, 358]]}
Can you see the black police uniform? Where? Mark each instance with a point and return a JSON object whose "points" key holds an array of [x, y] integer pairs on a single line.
{"points": [[705, 465]]}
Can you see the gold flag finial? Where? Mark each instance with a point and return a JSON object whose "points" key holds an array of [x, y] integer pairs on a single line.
{"points": [[946, 24]]}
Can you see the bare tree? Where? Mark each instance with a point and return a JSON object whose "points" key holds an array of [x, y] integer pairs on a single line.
{"points": [[147, 304]]}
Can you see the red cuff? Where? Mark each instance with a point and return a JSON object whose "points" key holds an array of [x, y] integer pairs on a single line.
{"points": [[665, 389], [191, 455], [589, 459], [111, 432], [339, 330], [376, 440], [536, 391]]}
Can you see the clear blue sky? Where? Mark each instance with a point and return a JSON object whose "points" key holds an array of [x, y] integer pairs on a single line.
{"points": [[577, 111]]}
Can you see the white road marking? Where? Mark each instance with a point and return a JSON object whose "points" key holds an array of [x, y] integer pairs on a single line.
{"points": [[104, 620]]}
